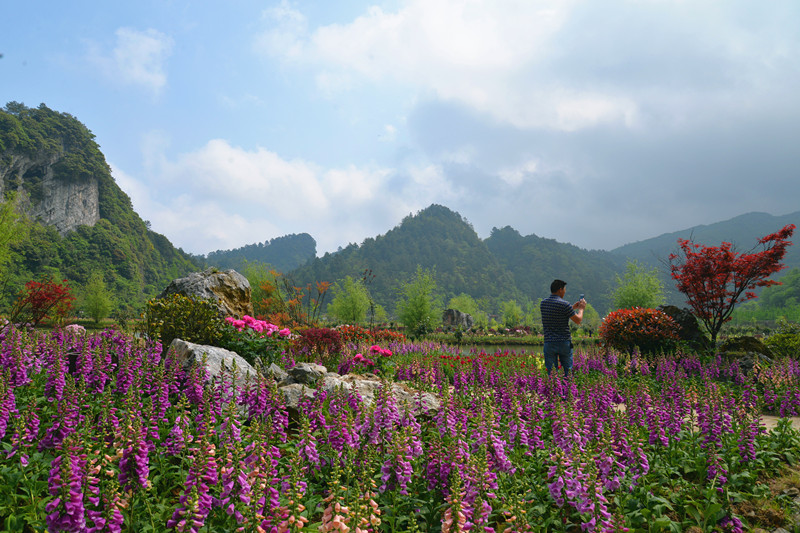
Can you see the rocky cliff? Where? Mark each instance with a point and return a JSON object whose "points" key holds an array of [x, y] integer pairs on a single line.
{"points": [[63, 204]]}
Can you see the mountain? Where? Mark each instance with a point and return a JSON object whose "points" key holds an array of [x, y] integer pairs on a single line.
{"points": [[80, 221], [281, 253], [535, 261], [504, 266], [435, 238]]}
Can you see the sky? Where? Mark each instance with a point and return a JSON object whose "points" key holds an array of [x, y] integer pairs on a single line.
{"points": [[593, 123]]}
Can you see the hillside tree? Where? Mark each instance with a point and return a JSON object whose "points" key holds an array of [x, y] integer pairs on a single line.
{"points": [[512, 314], [637, 287], [97, 299], [419, 308], [12, 231], [716, 278], [350, 302]]}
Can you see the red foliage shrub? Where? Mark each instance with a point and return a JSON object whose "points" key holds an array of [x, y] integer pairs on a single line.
{"points": [[319, 341], [649, 329], [41, 300], [358, 335]]}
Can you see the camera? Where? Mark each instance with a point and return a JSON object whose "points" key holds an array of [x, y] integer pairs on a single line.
{"points": [[581, 298]]}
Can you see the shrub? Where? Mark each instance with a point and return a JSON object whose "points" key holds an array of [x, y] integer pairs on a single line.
{"points": [[358, 335], [255, 340], [41, 300], [322, 342], [786, 341], [649, 329], [182, 317]]}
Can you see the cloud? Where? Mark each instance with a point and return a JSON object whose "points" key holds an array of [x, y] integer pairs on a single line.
{"points": [[138, 58], [552, 64], [222, 196]]}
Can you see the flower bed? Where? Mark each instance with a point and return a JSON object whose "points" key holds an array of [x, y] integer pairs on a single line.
{"points": [[99, 433]]}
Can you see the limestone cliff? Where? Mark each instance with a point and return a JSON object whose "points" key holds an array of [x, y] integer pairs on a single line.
{"points": [[62, 203]]}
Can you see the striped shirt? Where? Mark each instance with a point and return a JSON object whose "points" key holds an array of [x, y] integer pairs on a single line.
{"points": [[556, 313]]}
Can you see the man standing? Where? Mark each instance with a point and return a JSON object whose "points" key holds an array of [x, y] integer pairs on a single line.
{"points": [[556, 314]]}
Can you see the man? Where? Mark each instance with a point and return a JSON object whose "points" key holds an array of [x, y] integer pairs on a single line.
{"points": [[556, 314]]}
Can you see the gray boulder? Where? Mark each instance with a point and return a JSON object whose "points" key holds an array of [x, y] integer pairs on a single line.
{"points": [[453, 318], [307, 373], [219, 362], [228, 289], [366, 386]]}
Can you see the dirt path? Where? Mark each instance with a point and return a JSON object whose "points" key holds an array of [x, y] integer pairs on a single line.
{"points": [[770, 422]]}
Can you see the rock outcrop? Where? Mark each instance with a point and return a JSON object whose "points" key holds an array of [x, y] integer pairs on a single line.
{"points": [[228, 289], [64, 204], [453, 318]]}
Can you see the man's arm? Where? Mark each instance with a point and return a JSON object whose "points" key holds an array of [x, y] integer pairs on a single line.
{"points": [[578, 306]]}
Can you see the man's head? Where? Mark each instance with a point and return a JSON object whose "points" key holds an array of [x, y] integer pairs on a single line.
{"points": [[557, 285]]}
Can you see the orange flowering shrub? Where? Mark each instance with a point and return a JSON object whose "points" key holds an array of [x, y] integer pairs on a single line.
{"points": [[649, 329]]}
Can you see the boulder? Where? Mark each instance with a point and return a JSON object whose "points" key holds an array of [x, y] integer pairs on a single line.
{"points": [[228, 289], [366, 386], [276, 373], [219, 362], [307, 373], [690, 330], [746, 351], [453, 318], [744, 344]]}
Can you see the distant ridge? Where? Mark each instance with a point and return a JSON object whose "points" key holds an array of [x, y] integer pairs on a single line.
{"points": [[743, 231]]}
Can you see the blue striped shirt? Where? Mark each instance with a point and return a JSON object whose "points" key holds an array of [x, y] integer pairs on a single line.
{"points": [[556, 313]]}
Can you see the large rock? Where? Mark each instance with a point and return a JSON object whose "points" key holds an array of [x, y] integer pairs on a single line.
{"points": [[453, 318], [228, 289], [690, 330], [417, 402], [218, 361], [746, 351]]}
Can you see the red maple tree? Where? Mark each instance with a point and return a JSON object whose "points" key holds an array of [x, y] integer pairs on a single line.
{"points": [[716, 278], [42, 300]]}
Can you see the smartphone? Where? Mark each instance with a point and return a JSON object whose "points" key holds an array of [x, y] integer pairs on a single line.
{"points": [[581, 298]]}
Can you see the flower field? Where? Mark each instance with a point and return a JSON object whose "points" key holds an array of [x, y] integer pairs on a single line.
{"points": [[100, 433]]}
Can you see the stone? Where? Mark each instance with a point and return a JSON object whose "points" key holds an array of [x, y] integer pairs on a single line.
{"points": [[276, 372], [746, 351], [745, 344], [419, 403], [690, 330], [219, 362], [453, 318], [792, 492], [305, 378], [228, 289], [294, 394], [307, 373]]}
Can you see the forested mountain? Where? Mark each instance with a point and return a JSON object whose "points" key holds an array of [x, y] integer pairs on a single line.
{"points": [[436, 238], [535, 261], [281, 253], [80, 221], [505, 266]]}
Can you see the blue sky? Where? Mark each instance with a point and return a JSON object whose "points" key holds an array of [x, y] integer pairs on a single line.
{"points": [[594, 123]]}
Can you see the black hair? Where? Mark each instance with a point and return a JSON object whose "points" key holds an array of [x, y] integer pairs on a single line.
{"points": [[557, 285]]}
